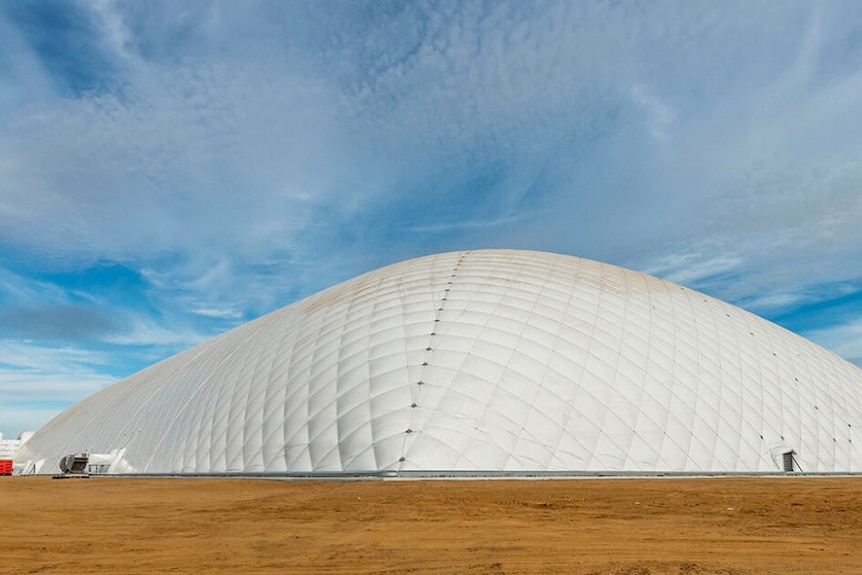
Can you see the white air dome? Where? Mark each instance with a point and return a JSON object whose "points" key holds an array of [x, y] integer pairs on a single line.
{"points": [[492, 360]]}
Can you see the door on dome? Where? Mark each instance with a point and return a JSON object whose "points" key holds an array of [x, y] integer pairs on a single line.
{"points": [[789, 463]]}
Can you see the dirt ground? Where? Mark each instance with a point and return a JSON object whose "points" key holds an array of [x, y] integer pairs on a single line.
{"points": [[591, 526]]}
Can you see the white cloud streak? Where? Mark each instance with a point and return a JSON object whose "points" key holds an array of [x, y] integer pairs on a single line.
{"points": [[33, 375], [844, 339]]}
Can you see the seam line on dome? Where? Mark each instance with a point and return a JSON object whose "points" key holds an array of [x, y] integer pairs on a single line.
{"points": [[415, 386]]}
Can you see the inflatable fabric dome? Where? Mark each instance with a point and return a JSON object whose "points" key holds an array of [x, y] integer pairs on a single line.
{"points": [[480, 361]]}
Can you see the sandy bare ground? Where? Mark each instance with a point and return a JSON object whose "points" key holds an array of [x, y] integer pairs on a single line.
{"points": [[591, 526]]}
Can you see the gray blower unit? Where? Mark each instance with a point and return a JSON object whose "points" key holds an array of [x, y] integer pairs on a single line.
{"points": [[74, 464]]}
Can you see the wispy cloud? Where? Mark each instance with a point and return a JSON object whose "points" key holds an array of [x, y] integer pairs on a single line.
{"points": [[468, 224], [844, 339], [660, 115], [37, 382], [692, 268], [222, 313]]}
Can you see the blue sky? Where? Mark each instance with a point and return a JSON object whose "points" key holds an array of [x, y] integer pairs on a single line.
{"points": [[171, 169]]}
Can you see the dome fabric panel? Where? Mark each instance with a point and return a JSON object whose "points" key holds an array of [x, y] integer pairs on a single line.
{"points": [[490, 360]]}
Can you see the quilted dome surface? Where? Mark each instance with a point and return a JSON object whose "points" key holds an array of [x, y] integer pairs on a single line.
{"points": [[490, 360]]}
